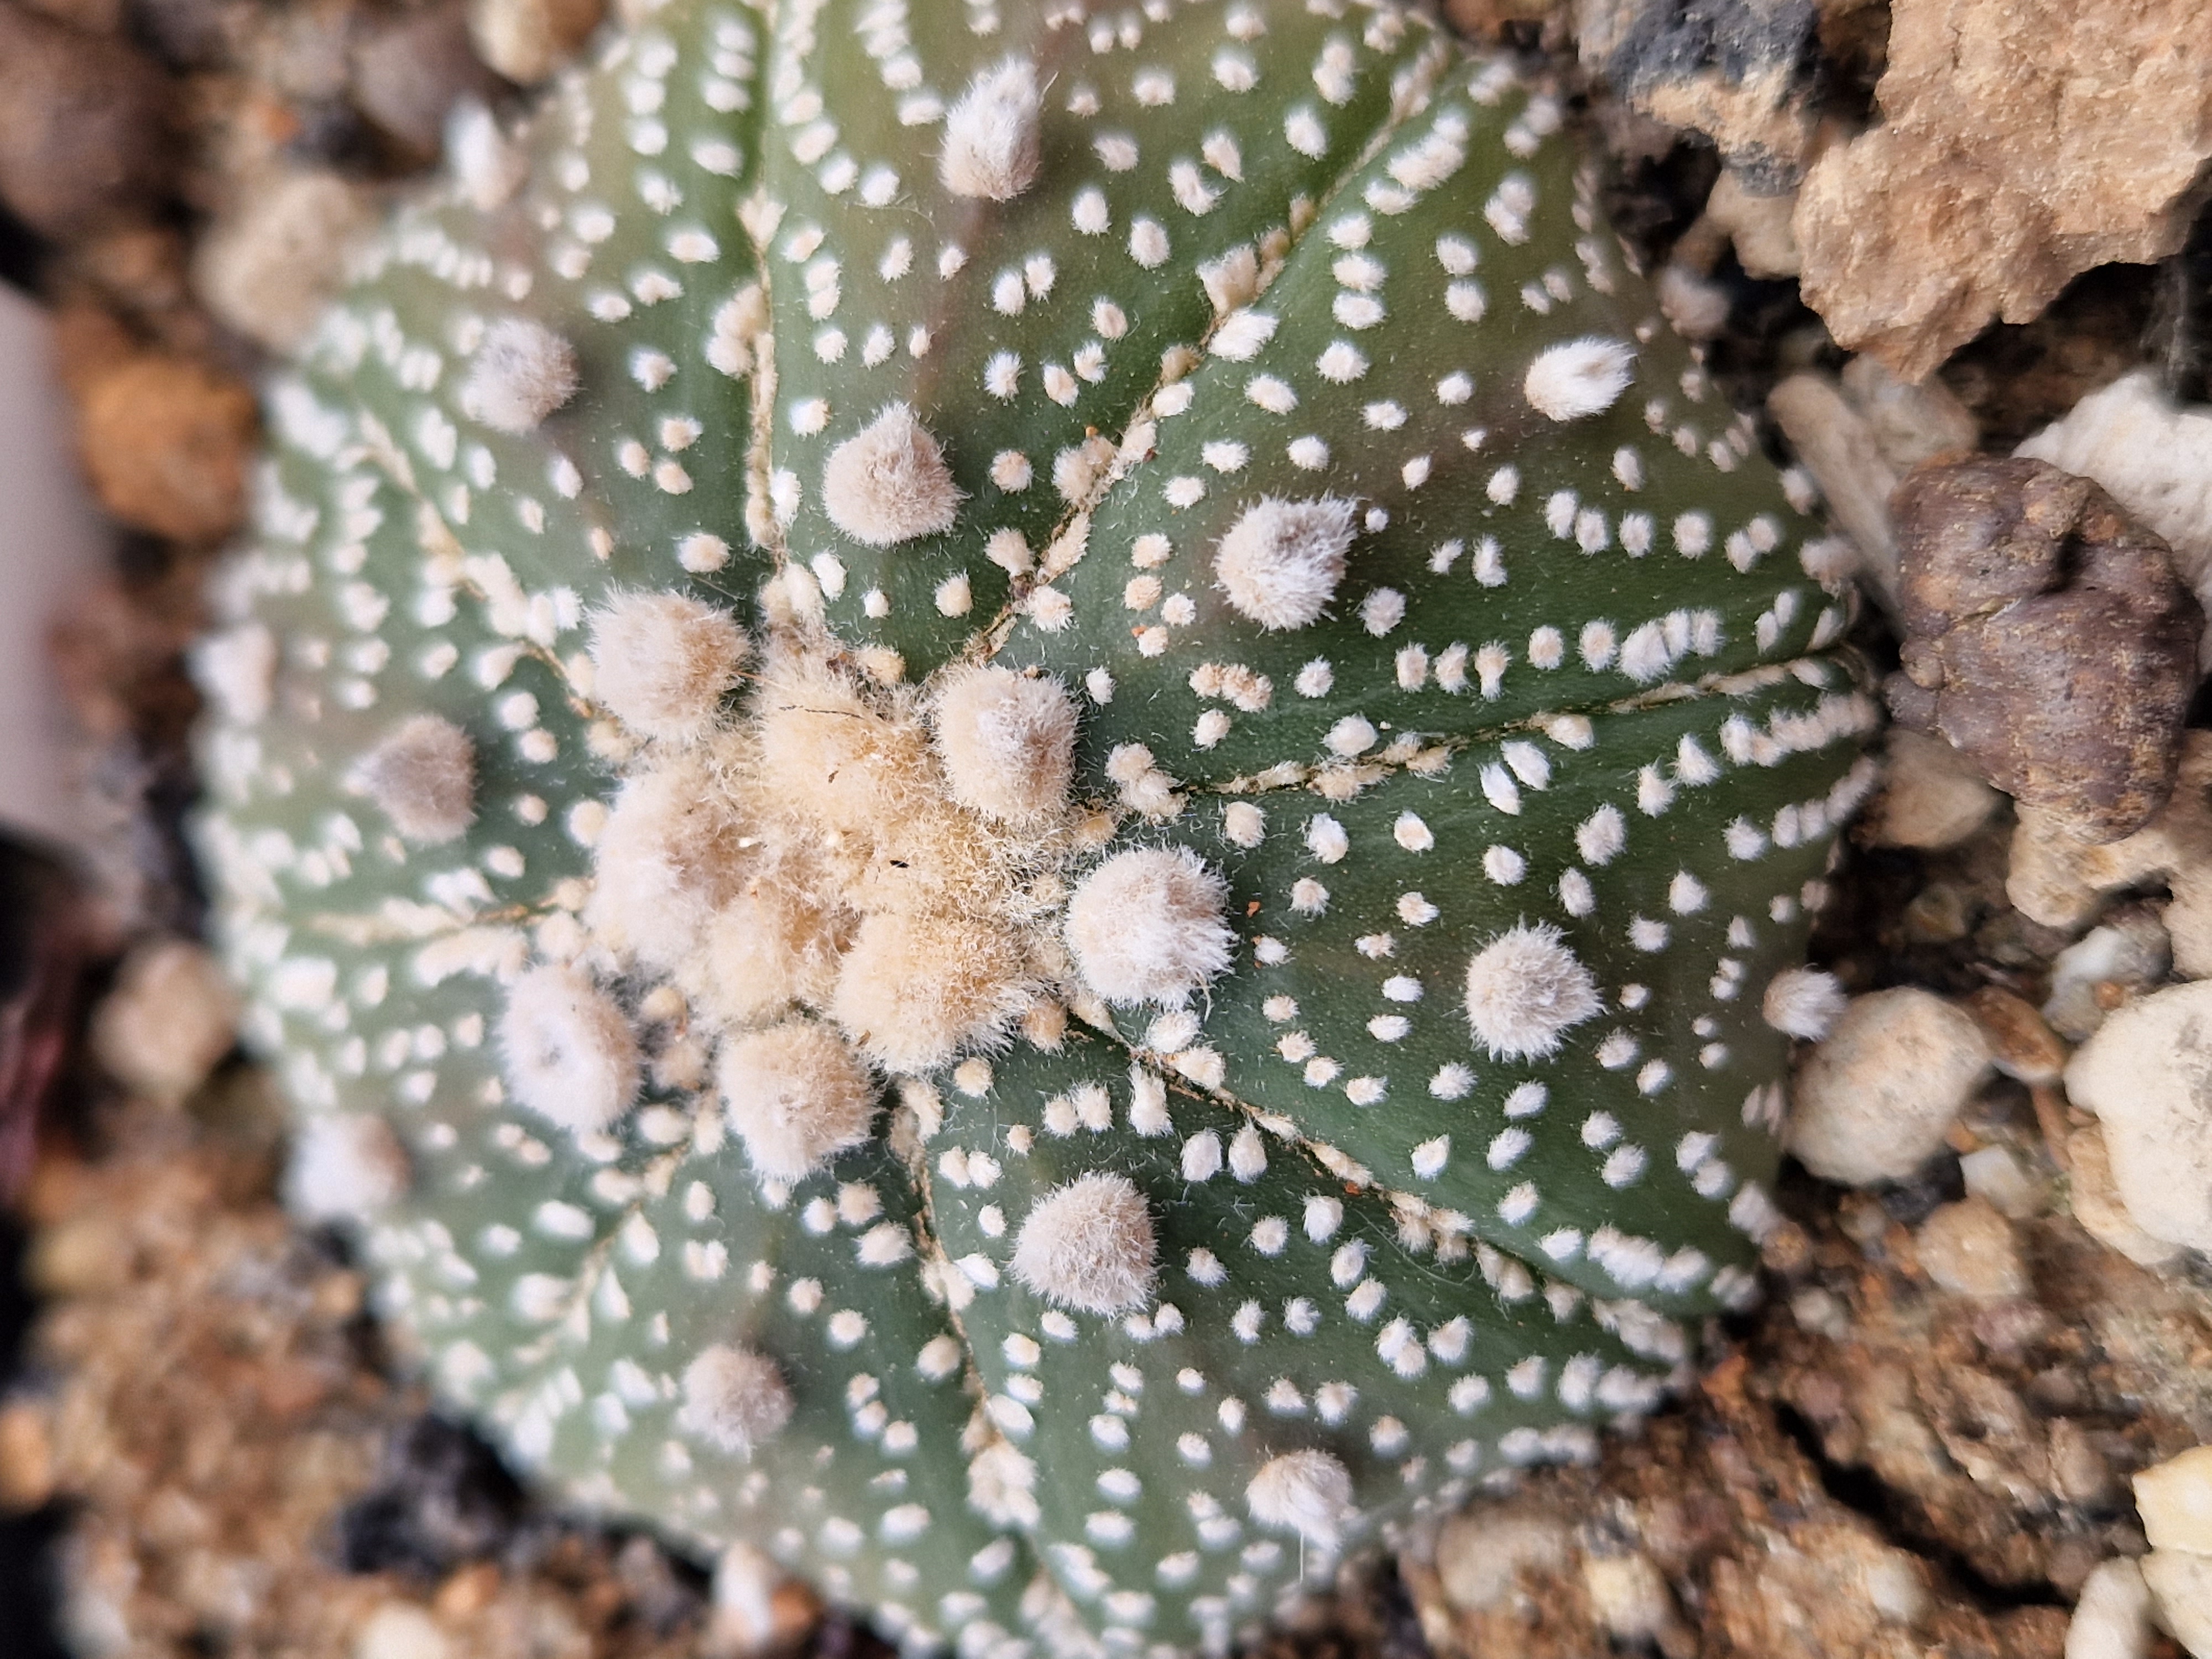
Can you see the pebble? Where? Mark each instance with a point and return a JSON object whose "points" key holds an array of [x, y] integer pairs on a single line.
{"points": [[2097, 1206], [2148, 1076], [2102, 968], [1629, 1595], [2047, 636], [165, 441], [1757, 226], [27, 1459], [2111, 1616], [526, 41], [407, 75], [1913, 424], [756, 1607], [1835, 444], [2026, 1048], [170, 1017], [1930, 798], [1874, 1100], [2059, 880], [83, 125], [2174, 1499], [1968, 1248], [2181, 1584], [1993, 1175], [267, 267], [1481, 1554], [400, 1630]]}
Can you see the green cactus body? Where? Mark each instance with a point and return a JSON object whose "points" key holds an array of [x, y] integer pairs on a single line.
{"points": [[1018, 799]]}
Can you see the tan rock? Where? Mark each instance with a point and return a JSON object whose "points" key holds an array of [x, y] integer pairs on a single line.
{"points": [[267, 267], [1757, 226], [1875, 1100], [2148, 1076], [1968, 1248], [2059, 880], [2021, 143], [2111, 1615], [1930, 798], [2027, 1048], [170, 1017], [1481, 1554], [2097, 1206], [1837, 444], [166, 443], [526, 41], [2181, 1584]]}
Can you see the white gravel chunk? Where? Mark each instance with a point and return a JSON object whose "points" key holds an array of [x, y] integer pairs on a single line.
{"points": [[1874, 1102]]}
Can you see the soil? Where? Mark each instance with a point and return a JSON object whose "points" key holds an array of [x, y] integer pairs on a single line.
{"points": [[205, 1439]]}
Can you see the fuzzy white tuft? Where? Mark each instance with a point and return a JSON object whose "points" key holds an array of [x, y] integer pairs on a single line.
{"points": [[569, 1051], [1307, 1493], [522, 373], [671, 852], [796, 1096], [1582, 376], [1008, 742], [1281, 561], [237, 670], [1002, 1486], [663, 663], [991, 147], [734, 1398], [1524, 990], [1803, 1002], [888, 483], [1089, 1246], [1146, 925], [345, 1168], [423, 776], [914, 990]]}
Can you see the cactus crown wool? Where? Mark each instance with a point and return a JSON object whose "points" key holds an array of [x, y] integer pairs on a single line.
{"points": [[1010, 792]]}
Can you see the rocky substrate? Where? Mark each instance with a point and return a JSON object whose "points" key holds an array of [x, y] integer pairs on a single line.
{"points": [[1956, 248]]}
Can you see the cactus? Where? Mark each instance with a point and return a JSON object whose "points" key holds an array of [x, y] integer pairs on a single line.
{"points": [[1024, 803]]}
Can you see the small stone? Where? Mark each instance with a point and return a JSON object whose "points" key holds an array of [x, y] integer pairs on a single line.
{"points": [[267, 267], [1481, 1554], [1993, 1175], [2080, 1471], [2103, 969], [1968, 1248], [2181, 1584], [84, 125], [1837, 444], [170, 1019], [400, 1630], [1629, 1595], [1913, 423], [166, 443], [2148, 1076], [2153, 456], [2174, 1499], [1757, 226], [407, 74], [1875, 1100], [27, 1459], [2020, 143], [2059, 880], [1930, 798], [2111, 1615], [526, 41], [2096, 1204], [1731, 72], [2025, 1047], [2047, 638]]}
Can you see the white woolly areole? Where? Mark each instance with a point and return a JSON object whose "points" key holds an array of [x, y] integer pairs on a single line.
{"points": [[1007, 742], [1524, 990], [888, 483], [991, 148], [237, 670], [663, 662], [424, 777], [734, 1398], [1307, 1493], [569, 1051], [522, 373], [1146, 925], [671, 854], [914, 989], [1803, 1002], [345, 1168], [796, 1096], [1089, 1246], [1582, 376], [1281, 561], [1002, 1486]]}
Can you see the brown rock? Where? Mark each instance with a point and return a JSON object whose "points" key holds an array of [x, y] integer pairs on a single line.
{"points": [[2022, 142], [2026, 1046], [2047, 638], [167, 441], [526, 41], [84, 125], [409, 74]]}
